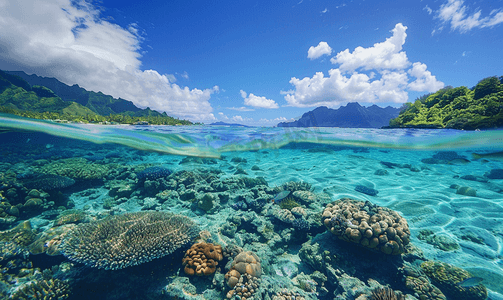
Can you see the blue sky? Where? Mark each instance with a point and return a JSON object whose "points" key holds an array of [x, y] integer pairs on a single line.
{"points": [[254, 62]]}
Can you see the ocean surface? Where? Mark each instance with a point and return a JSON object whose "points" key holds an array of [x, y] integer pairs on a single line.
{"points": [[259, 192]]}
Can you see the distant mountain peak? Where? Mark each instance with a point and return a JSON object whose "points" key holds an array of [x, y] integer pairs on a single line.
{"points": [[353, 115]]}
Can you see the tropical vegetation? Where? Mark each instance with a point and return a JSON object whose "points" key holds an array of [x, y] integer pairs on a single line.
{"points": [[76, 104], [480, 107]]}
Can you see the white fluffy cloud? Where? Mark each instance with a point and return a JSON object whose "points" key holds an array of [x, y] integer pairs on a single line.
{"points": [[347, 83], [250, 121], [257, 101], [76, 46], [385, 55], [322, 49], [456, 14], [338, 88], [424, 80]]}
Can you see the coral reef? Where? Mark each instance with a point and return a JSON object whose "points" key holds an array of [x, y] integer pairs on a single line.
{"points": [[47, 182], [417, 281], [288, 203], [153, 173], [22, 234], [44, 289], [286, 295], [447, 277], [442, 242], [76, 168], [244, 276], [49, 241], [384, 293], [368, 225], [245, 287], [202, 259], [294, 186], [129, 239]]}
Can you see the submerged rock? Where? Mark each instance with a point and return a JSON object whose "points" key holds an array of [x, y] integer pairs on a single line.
{"points": [[366, 190], [442, 242], [466, 191], [495, 174]]}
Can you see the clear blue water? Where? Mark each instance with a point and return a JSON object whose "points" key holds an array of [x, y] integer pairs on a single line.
{"points": [[434, 179]]}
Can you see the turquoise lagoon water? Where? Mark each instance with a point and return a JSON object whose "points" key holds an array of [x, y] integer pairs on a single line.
{"points": [[451, 198]]}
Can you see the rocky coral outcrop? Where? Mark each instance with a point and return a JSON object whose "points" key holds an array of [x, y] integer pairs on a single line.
{"points": [[371, 226], [448, 278], [202, 259], [244, 276]]}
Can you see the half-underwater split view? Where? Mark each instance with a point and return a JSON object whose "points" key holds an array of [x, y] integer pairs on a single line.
{"points": [[250, 150]]}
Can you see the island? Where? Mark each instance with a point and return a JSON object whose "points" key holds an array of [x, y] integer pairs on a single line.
{"points": [[480, 107]]}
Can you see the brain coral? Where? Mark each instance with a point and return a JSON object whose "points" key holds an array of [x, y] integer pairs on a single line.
{"points": [[367, 224], [202, 259], [129, 239]]}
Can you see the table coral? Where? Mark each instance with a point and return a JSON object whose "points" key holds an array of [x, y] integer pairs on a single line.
{"points": [[202, 259], [371, 226], [129, 239]]}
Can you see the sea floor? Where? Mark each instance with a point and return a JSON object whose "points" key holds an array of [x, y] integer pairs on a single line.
{"points": [[452, 203]]}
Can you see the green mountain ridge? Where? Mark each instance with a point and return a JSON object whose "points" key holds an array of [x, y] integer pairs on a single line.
{"points": [[48, 98], [458, 108]]}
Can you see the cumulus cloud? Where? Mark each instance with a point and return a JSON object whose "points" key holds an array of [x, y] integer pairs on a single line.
{"points": [[424, 80], [455, 13], [338, 88], [385, 55], [386, 80], [322, 49], [250, 121], [77, 47], [257, 101]]}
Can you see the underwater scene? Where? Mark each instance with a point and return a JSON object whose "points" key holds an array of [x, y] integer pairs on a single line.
{"points": [[220, 212]]}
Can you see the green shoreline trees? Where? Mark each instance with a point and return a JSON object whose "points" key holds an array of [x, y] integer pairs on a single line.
{"points": [[19, 98], [458, 108]]}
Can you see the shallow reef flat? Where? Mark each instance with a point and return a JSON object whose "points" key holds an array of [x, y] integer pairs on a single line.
{"points": [[307, 221]]}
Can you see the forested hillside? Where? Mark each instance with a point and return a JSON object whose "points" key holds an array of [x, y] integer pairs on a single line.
{"points": [[72, 103], [460, 108]]}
